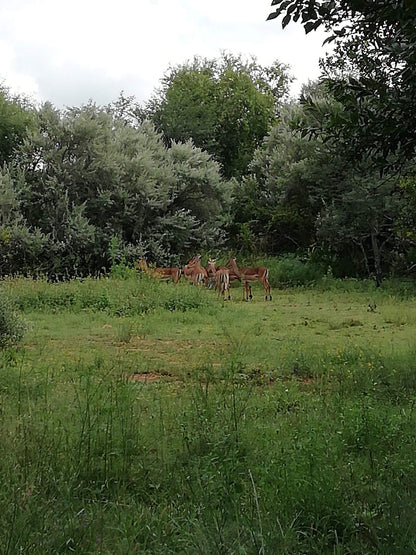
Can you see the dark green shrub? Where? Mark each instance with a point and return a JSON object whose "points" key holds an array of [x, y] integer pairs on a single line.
{"points": [[291, 270]]}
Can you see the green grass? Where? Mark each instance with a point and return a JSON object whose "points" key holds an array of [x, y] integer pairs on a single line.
{"points": [[270, 427]]}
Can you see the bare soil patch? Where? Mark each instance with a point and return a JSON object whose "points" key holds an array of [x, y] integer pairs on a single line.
{"points": [[149, 377]]}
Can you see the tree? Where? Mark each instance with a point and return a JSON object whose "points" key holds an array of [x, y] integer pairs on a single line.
{"points": [[303, 193], [360, 220], [93, 184], [22, 248], [405, 224], [15, 120], [273, 204], [372, 72], [225, 106]]}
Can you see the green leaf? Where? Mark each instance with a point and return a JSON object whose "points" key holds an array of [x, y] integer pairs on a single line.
{"points": [[286, 20], [272, 16], [309, 26]]}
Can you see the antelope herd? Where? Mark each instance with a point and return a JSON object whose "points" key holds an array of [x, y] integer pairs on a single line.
{"points": [[211, 275]]}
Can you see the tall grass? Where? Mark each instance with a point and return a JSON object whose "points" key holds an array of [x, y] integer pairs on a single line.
{"points": [[12, 326], [271, 442], [120, 297]]}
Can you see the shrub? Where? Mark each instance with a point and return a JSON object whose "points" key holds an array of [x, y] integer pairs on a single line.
{"points": [[292, 270], [12, 326], [122, 271]]}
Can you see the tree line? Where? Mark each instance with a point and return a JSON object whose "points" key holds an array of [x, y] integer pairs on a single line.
{"points": [[221, 158]]}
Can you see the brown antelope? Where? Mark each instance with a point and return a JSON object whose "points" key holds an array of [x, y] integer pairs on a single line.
{"points": [[161, 273], [188, 269], [211, 277], [194, 271], [251, 274], [222, 278]]}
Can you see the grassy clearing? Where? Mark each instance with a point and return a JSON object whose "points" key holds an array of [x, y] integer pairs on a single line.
{"points": [[278, 427]]}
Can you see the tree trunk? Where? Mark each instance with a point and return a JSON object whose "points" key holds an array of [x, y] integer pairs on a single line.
{"points": [[377, 258], [367, 266]]}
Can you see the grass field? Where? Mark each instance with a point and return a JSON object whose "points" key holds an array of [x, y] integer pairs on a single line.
{"points": [[140, 416]]}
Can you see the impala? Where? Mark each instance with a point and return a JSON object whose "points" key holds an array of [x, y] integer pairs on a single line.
{"points": [[161, 273], [245, 275], [188, 269], [222, 278], [194, 271]]}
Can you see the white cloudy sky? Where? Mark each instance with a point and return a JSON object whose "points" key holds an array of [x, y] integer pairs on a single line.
{"points": [[70, 52]]}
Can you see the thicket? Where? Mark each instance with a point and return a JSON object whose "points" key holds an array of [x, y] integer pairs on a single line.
{"points": [[87, 191]]}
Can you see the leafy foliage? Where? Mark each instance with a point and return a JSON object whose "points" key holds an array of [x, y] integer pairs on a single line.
{"points": [[82, 178], [304, 193], [372, 71], [275, 199], [93, 189], [16, 118], [225, 106]]}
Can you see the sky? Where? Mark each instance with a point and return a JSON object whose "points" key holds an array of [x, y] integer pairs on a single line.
{"points": [[69, 53]]}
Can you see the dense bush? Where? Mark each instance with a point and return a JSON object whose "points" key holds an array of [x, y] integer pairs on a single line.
{"points": [[292, 270], [89, 191]]}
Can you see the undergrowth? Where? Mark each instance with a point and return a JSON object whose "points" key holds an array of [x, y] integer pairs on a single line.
{"points": [[121, 297]]}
